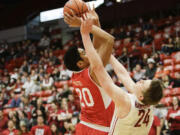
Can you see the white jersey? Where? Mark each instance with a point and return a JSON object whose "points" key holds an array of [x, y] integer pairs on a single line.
{"points": [[137, 122]]}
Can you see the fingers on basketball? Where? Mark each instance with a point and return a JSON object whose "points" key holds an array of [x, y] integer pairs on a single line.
{"points": [[75, 7]]}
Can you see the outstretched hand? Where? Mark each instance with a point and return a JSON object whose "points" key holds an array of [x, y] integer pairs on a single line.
{"points": [[74, 21], [86, 24]]}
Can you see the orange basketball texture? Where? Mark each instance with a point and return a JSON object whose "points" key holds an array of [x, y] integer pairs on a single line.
{"points": [[78, 6]]}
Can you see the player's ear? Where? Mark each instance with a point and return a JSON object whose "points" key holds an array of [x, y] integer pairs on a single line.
{"points": [[80, 64]]}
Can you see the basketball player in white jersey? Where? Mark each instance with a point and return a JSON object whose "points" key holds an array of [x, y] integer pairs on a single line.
{"points": [[134, 111]]}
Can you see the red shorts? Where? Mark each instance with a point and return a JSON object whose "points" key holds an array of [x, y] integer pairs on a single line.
{"points": [[82, 129]]}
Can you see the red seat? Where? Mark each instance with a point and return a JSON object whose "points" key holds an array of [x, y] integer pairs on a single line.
{"points": [[176, 57], [177, 68], [169, 68], [167, 62], [167, 92], [175, 91], [166, 101]]}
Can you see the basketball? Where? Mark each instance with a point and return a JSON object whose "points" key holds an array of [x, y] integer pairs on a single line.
{"points": [[78, 6]]}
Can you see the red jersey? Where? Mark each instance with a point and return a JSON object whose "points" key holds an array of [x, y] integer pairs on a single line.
{"points": [[156, 123], [175, 121], [3, 124], [96, 106], [41, 130], [27, 133], [8, 132]]}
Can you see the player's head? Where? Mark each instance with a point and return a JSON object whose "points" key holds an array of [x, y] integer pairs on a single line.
{"points": [[75, 59], [149, 92]]}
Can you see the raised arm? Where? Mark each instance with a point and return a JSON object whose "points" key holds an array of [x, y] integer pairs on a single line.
{"points": [[74, 21], [102, 41], [107, 42], [122, 74], [117, 95]]}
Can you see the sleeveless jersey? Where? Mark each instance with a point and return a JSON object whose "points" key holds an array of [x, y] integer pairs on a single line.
{"points": [[96, 106], [137, 122]]}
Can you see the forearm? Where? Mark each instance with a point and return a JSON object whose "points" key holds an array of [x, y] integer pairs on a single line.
{"points": [[105, 44], [122, 74], [119, 69], [158, 130], [95, 38], [90, 51], [101, 34]]}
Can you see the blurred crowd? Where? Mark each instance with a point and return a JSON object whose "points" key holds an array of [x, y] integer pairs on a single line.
{"points": [[36, 91]]}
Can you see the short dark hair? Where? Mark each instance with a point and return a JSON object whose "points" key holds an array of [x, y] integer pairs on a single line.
{"points": [[71, 58], [154, 93]]}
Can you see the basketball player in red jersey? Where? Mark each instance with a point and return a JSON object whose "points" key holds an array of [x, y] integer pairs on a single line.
{"points": [[133, 112], [97, 107]]}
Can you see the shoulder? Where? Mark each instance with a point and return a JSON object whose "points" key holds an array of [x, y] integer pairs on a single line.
{"points": [[124, 108], [16, 131], [78, 73], [5, 131], [46, 127], [34, 127]]}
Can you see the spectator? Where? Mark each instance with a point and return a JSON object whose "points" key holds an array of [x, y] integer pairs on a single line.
{"points": [[145, 59], [15, 100], [173, 117], [138, 73], [33, 75], [64, 114], [73, 103], [122, 34], [146, 39], [177, 44], [156, 57], [53, 114], [47, 82], [50, 68], [30, 87], [70, 128], [53, 59], [176, 81], [40, 128], [3, 121], [65, 74], [44, 42], [3, 99], [155, 129], [26, 106], [134, 56], [124, 55], [15, 119], [23, 129], [151, 69], [168, 47], [23, 118], [15, 75], [166, 81], [24, 77], [160, 72], [56, 74], [25, 67], [38, 109], [54, 130], [11, 130]]}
